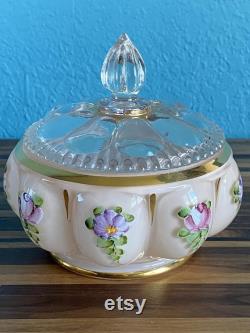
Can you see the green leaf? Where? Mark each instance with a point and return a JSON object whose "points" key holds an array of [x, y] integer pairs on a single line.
{"points": [[122, 240], [236, 200], [184, 212], [33, 237], [209, 203], [109, 250], [183, 232], [89, 223], [119, 252], [204, 233], [197, 243], [102, 242], [38, 201], [26, 224], [32, 228], [118, 210], [236, 189], [98, 211], [193, 237], [115, 257], [129, 217]]}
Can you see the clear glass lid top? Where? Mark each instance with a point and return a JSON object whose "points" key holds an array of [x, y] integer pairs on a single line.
{"points": [[123, 134]]}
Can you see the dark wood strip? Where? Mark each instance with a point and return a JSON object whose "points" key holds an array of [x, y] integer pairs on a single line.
{"points": [[240, 146], [24, 256], [243, 168], [242, 156], [10, 223], [15, 240], [163, 301]]}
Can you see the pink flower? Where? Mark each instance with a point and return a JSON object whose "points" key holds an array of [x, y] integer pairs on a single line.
{"points": [[198, 218], [28, 210]]}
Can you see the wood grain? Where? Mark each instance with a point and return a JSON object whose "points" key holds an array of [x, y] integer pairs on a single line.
{"points": [[127, 325], [211, 293]]}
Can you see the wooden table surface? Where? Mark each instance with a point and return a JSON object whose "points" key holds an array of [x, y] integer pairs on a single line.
{"points": [[210, 293]]}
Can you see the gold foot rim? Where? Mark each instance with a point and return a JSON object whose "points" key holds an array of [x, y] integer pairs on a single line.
{"points": [[122, 275]]}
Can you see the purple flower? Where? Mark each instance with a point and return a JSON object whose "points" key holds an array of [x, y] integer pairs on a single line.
{"points": [[28, 210], [110, 224], [198, 218]]}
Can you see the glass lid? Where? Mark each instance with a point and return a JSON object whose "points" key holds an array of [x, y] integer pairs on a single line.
{"points": [[123, 134]]}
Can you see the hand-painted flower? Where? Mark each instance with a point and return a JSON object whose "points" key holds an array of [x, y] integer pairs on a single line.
{"points": [[237, 191], [110, 224], [198, 218], [28, 210], [240, 190]]}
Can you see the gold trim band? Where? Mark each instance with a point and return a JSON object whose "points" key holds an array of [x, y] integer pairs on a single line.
{"points": [[120, 181], [119, 276]]}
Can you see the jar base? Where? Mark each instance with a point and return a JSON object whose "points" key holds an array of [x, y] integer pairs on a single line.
{"points": [[129, 273]]}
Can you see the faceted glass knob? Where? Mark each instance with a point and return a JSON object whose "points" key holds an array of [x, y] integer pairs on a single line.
{"points": [[123, 70]]}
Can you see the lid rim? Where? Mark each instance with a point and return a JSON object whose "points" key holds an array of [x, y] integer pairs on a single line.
{"points": [[115, 154], [143, 173], [127, 181]]}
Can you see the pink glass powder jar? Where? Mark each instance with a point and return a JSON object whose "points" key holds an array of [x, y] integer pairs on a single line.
{"points": [[123, 187]]}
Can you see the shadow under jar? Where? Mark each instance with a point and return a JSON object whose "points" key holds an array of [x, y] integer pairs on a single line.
{"points": [[123, 187]]}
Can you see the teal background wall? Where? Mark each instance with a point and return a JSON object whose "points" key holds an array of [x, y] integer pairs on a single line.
{"points": [[197, 52]]}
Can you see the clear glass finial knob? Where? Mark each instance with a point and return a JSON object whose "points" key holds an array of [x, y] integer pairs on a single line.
{"points": [[123, 70]]}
